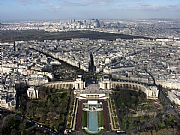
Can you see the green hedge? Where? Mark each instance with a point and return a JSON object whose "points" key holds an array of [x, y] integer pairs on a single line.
{"points": [[84, 119]]}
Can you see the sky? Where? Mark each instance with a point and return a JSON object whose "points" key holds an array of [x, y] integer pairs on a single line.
{"points": [[88, 9]]}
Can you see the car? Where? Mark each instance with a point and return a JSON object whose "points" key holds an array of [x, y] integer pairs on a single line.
{"points": [[121, 132]]}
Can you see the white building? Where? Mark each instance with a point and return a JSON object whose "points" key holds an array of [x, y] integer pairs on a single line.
{"points": [[174, 96], [172, 84], [32, 93]]}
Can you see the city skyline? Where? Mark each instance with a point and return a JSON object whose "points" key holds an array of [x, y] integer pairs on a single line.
{"points": [[86, 9], [75, 67]]}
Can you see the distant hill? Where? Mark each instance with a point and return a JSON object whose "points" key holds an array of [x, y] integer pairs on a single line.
{"points": [[43, 35]]}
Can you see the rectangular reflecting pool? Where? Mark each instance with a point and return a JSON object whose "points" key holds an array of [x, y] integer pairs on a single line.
{"points": [[93, 121]]}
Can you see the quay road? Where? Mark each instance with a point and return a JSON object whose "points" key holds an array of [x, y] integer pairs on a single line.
{"points": [[41, 126]]}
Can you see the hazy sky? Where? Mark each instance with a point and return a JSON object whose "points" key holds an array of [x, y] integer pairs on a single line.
{"points": [[86, 9]]}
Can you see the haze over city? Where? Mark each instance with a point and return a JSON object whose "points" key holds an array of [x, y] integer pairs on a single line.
{"points": [[89, 67], [86, 9]]}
